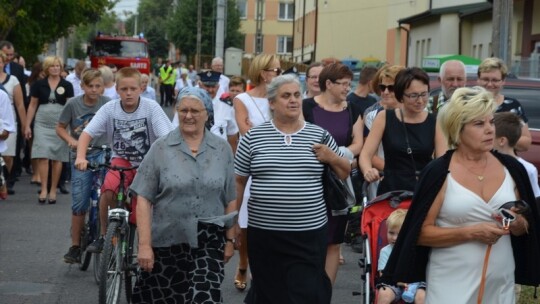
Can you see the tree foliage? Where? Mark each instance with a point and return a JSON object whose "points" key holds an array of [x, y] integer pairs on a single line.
{"points": [[152, 21], [182, 27], [30, 24], [107, 23]]}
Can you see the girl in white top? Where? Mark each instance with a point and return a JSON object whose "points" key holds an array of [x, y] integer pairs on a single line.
{"points": [[252, 109], [14, 91]]}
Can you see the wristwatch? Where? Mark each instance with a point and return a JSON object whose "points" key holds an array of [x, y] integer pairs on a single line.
{"points": [[233, 241]]}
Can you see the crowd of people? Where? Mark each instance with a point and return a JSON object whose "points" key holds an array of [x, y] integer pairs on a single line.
{"points": [[241, 170]]}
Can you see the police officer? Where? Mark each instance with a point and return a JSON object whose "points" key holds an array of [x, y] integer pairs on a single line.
{"points": [[224, 124]]}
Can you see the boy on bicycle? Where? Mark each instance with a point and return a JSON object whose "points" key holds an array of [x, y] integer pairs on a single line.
{"points": [[121, 121], [77, 113]]}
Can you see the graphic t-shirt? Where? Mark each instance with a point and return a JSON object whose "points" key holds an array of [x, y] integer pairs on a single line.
{"points": [[78, 115], [131, 134]]}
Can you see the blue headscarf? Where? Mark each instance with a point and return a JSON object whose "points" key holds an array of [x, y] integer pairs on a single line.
{"points": [[201, 95]]}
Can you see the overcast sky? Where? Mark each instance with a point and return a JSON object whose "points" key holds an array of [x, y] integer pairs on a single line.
{"points": [[125, 5]]}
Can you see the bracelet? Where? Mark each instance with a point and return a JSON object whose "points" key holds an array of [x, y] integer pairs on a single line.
{"points": [[233, 241]]}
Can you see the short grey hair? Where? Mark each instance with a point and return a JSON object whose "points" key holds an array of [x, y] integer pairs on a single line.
{"points": [[442, 70], [278, 82]]}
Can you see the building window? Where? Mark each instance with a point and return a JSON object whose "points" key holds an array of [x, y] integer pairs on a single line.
{"points": [[284, 45], [242, 8], [286, 11]]}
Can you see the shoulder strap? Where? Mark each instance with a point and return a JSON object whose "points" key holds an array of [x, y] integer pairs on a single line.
{"points": [[435, 104], [307, 109], [351, 123]]}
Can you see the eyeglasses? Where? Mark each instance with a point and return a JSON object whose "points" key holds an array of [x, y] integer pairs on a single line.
{"points": [[194, 113], [383, 88], [487, 80], [277, 70], [416, 96], [346, 84]]}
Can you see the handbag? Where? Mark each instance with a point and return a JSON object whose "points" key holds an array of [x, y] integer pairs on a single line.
{"points": [[336, 194]]}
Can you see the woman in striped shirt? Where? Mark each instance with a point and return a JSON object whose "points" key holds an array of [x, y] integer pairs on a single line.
{"points": [[287, 214]]}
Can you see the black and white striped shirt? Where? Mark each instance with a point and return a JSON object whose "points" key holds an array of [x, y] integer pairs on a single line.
{"points": [[286, 191]]}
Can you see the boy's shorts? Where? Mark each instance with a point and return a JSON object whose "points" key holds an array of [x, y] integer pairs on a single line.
{"points": [[398, 291], [112, 183], [82, 183]]}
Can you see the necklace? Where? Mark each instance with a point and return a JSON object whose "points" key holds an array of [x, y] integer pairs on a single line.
{"points": [[480, 177]]}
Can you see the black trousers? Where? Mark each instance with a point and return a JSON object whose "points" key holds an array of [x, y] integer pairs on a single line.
{"points": [[288, 266]]}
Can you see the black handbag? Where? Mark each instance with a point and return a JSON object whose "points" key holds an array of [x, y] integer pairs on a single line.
{"points": [[337, 195]]}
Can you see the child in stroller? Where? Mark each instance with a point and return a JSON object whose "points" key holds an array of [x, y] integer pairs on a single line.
{"points": [[374, 234], [410, 293]]}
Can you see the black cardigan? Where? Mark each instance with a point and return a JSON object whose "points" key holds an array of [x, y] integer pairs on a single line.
{"points": [[408, 261]]}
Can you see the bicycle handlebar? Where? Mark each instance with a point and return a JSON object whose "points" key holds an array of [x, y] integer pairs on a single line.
{"points": [[94, 166]]}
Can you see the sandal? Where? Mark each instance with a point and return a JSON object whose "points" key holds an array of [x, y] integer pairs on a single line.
{"points": [[240, 279]]}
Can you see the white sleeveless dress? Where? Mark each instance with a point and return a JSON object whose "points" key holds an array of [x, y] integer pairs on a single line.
{"points": [[258, 113], [454, 273]]}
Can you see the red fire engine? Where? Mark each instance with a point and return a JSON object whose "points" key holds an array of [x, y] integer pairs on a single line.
{"points": [[122, 51]]}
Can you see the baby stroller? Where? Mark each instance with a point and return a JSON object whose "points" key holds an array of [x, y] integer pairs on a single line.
{"points": [[373, 224]]}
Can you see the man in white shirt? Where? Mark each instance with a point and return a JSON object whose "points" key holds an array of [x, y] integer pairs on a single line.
{"points": [[147, 91], [75, 77], [217, 66]]}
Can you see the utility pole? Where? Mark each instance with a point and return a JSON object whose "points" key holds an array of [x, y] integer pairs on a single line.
{"points": [[501, 37], [220, 27], [258, 27], [199, 36]]}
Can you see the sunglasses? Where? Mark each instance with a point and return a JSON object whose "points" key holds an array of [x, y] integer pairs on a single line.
{"points": [[277, 70], [383, 88]]}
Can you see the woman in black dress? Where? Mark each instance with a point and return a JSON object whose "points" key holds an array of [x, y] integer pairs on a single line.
{"points": [[408, 134]]}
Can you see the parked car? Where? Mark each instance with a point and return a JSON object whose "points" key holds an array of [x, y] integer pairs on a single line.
{"points": [[527, 92]]}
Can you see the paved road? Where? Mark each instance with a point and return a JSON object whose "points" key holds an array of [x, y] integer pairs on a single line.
{"points": [[34, 238]]}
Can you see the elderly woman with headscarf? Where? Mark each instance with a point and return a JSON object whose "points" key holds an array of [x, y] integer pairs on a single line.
{"points": [[186, 209]]}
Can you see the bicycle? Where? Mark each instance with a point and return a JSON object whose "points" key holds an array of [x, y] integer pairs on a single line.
{"points": [[91, 230], [119, 259]]}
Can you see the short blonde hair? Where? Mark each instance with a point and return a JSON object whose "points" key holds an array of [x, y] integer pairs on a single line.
{"points": [[3, 56], [493, 63], [465, 105], [128, 72], [396, 218], [387, 71], [49, 61], [259, 63], [88, 75]]}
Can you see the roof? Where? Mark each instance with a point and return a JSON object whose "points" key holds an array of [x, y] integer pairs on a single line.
{"points": [[462, 10], [119, 38]]}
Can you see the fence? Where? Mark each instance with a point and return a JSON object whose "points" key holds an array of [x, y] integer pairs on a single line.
{"points": [[526, 67]]}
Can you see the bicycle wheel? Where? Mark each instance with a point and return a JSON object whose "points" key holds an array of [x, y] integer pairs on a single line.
{"points": [[97, 256], [132, 269], [85, 240], [110, 267]]}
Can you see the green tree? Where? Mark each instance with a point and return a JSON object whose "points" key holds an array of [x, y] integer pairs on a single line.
{"points": [[182, 27], [107, 23], [152, 21], [30, 24]]}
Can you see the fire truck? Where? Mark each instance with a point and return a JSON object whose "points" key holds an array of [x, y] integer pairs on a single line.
{"points": [[122, 51]]}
